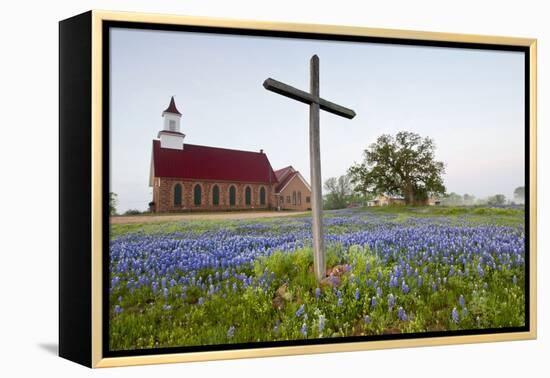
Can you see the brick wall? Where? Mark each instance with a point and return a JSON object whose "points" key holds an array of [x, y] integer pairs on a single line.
{"points": [[163, 195], [296, 185]]}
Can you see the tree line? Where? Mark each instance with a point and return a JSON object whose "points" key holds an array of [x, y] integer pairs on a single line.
{"points": [[401, 166]]}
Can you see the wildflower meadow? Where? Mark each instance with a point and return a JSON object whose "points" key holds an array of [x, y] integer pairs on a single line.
{"points": [[389, 271]]}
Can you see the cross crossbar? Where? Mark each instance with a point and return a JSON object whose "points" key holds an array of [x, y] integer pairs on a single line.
{"points": [[305, 97]]}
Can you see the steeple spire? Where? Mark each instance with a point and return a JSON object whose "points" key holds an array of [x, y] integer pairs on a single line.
{"points": [[172, 107], [171, 135]]}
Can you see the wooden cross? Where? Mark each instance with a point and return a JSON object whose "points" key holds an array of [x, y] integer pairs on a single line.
{"points": [[315, 103]]}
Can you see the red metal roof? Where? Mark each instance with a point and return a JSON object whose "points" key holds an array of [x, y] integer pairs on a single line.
{"points": [[211, 163], [281, 173], [172, 107], [284, 175], [285, 180]]}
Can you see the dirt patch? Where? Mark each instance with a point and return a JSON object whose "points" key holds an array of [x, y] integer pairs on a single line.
{"points": [[203, 216]]}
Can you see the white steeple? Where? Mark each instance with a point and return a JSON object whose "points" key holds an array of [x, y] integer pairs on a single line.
{"points": [[171, 136]]}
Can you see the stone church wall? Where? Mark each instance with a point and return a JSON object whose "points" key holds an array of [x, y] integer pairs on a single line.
{"points": [[300, 201], [163, 196]]}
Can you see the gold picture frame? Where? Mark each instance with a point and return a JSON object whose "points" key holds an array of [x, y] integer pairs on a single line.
{"points": [[92, 24]]}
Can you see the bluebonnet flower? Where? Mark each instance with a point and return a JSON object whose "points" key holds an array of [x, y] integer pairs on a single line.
{"points": [[166, 307], [391, 302], [404, 287], [340, 302], [454, 315], [401, 314], [461, 300], [464, 312], [357, 294], [367, 319], [420, 281], [300, 311], [303, 330], [373, 302], [379, 291], [231, 332], [200, 301], [317, 293], [367, 267], [211, 290], [480, 272], [225, 275], [434, 287], [118, 309], [514, 280], [321, 324]]}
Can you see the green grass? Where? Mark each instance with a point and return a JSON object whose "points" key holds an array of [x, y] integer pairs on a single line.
{"points": [[399, 214]]}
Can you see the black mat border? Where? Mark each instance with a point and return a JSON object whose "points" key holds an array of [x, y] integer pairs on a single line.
{"points": [[106, 27]]}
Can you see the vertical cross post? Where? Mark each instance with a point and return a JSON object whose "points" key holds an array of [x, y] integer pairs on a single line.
{"points": [[315, 172], [315, 103]]}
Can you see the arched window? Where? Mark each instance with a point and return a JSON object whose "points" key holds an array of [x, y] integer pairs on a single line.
{"points": [[215, 195], [299, 198], [232, 196], [197, 194], [294, 198], [248, 196], [262, 196], [177, 195]]}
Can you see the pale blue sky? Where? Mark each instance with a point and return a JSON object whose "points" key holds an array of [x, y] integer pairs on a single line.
{"points": [[470, 102]]}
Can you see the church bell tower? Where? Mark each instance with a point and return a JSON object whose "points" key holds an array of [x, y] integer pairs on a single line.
{"points": [[171, 136]]}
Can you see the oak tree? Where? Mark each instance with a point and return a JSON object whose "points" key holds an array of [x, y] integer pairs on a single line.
{"points": [[403, 164]]}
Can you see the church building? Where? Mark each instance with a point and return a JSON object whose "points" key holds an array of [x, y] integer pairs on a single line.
{"points": [[189, 177]]}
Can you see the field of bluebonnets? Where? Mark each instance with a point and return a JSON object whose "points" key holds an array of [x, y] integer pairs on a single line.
{"points": [[392, 270]]}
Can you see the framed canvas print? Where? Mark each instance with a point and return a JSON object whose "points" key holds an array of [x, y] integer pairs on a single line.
{"points": [[235, 189]]}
